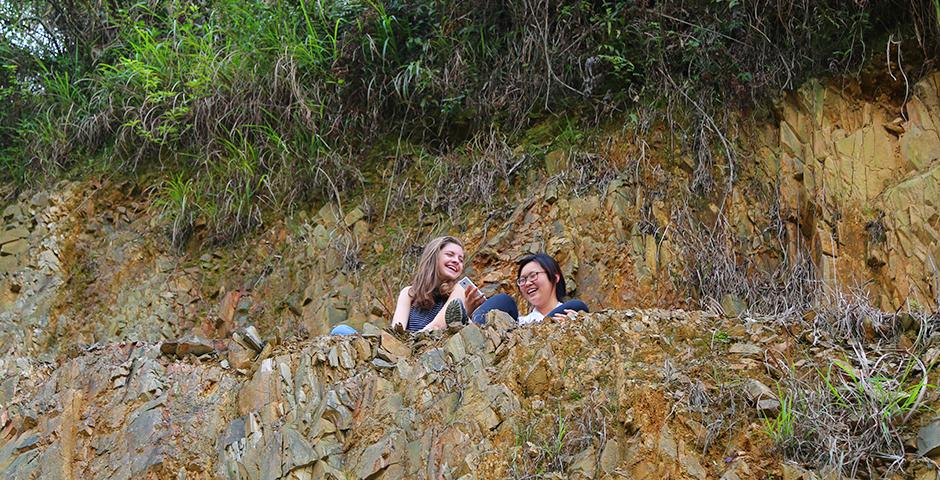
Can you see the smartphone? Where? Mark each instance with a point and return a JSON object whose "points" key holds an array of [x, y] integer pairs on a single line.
{"points": [[465, 282]]}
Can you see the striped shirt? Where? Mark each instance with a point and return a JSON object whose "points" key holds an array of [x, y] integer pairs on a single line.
{"points": [[419, 318]]}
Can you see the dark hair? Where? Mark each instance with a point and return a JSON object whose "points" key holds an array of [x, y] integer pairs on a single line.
{"points": [[551, 269]]}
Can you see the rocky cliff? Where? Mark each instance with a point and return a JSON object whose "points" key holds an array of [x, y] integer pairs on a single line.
{"points": [[125, 357], [629, 394]]}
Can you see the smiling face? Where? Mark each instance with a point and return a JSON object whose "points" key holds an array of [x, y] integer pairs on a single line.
{"points": [[537, 288], [450, 262]]}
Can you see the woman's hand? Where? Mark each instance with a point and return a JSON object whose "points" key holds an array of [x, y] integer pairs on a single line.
{"points": [[568, 314], [472, 299]]}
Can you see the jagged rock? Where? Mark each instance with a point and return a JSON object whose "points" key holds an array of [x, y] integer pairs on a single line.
{"points": [[380, 455], [433, 360], [748, 349], [928, 439], [193, 345], [611, 456], [13, 235], [584, 463], [756, 391], [249, 338], [240, 357], [537, 378], [370, 330], [336, 411], [297, 451], [691, 464], [187, 345], [16, 247], [455, 348], [394, 346], [738, 471], [8, 264], [795, 472]]}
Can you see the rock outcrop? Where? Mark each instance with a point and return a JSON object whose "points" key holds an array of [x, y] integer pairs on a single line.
{"points": [[859, 184], [598, 396]]}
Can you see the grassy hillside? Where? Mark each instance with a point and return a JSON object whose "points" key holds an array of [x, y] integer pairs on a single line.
{"points": [[233, 108]]}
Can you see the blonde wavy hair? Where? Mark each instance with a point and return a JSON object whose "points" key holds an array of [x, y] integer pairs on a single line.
{"points": [[427, 281]]}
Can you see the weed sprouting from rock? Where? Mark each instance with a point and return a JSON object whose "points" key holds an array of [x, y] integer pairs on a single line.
{"points": [[543, 449], [853, 415]]}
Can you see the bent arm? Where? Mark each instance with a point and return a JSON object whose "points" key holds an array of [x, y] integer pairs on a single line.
{"points": [[402, 308]]}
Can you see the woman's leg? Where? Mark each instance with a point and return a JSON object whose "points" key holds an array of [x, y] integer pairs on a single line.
{"points": [[500, 301], [573, 304], [439, 322]]}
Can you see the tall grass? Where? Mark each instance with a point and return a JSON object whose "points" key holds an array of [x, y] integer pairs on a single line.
{"points": [[178, 85]]}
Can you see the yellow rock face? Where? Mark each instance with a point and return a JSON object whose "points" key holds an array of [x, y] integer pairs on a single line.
{"points": [[854, 166]]}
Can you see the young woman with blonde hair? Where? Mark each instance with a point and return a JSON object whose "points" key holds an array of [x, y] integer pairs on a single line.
{"points": [[420, 306]]}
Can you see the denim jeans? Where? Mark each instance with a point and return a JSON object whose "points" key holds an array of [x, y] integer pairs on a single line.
{"points": [[506, 303]]}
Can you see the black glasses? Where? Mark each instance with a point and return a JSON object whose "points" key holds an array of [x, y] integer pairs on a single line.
{"points": [[529, 277]]}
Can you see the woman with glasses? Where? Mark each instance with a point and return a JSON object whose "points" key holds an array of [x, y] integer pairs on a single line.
{"points": [[542, 285]]}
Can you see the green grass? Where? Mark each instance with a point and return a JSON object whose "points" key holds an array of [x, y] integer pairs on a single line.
{"points": [[780, 428], [860, 409], [262, 100]]}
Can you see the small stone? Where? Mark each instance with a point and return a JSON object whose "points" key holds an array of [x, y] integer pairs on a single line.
{"points": [[13, 211], [745, 349], [378, 362], [393, 346], [732, 306], [556, 162], [757, 391], [40, 200], [15, 248], [353, 216], [193, 345], [768, 406], [928, 439], [13, 235]]}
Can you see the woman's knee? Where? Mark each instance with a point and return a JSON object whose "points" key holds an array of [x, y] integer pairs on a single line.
{"points": [[501, 302]]}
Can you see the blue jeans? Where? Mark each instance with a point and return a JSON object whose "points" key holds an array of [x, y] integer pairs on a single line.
{"points": [[501, 302], [573, 304], [505, 303]]}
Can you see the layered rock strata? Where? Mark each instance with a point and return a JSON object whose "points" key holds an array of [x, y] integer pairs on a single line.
{"points": [[601, 396]]}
